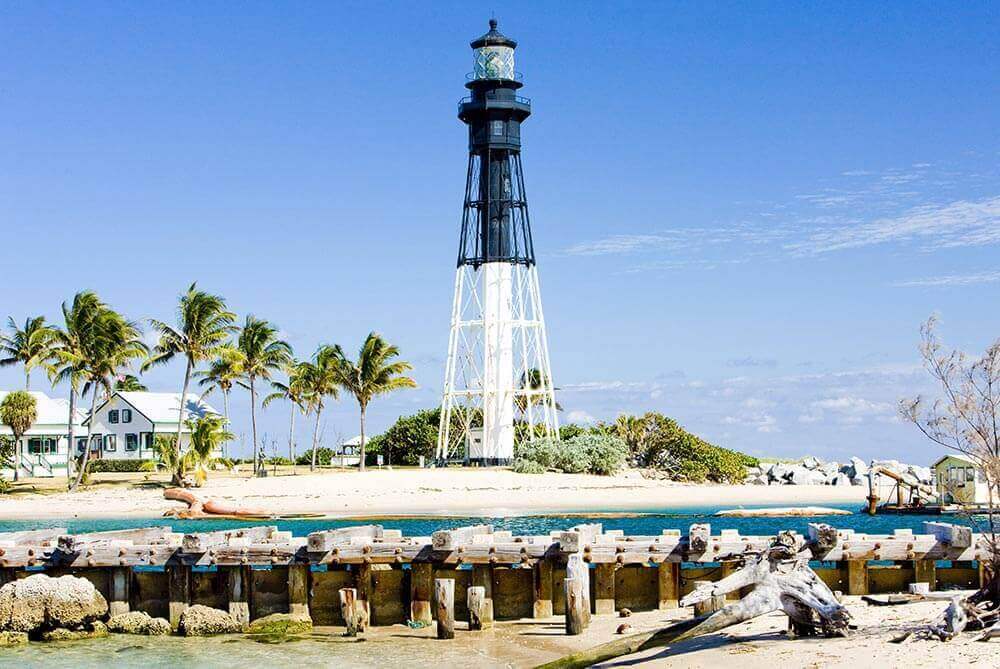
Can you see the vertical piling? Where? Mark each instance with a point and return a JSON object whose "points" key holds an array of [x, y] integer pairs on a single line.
{"points": [[444, 605], [575, 605], [421, 591], [120, 581], [669, 584], [476, 604], [542, 596], [604, 589], [179, 591], [482, 576], [238, 593], [298, 589]]}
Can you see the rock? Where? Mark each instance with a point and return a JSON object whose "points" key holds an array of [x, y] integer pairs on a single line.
{"points": [[779, 472], [8, 639], [809, 462], [840, 480], [39, 601], [138, 622], [624, 613], [858, 468], [760, 479], [95, 630], [829, 469], [859, 480], [201, 620], [803, 476], [624, 628], [281, 624]]}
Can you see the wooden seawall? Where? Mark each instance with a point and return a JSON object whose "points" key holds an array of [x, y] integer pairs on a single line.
{"points": [[256, 571]]}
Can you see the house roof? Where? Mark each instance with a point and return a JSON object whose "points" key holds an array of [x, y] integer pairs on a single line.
{"points": [[51, 410], [165, 407], [957, 456], [353, 441]]}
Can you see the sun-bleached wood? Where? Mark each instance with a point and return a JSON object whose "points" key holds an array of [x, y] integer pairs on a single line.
{"points": [[444, 607]]}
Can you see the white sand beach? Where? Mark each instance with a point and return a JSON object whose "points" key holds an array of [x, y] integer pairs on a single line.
{"points": [[400, 492]]}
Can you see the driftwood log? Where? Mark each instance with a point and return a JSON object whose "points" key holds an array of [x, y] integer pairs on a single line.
{"points": [[781, 580], [198, 508]]}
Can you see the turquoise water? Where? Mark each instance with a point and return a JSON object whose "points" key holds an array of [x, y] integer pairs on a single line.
{"points": [[653, 522]]}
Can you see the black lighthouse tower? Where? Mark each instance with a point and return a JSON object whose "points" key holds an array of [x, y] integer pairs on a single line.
{"points": [[495, 225], [498, 382]]}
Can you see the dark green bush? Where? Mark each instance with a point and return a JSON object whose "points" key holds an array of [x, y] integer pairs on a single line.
{"points": [[586, 452], [528, 467], [323, 457], [407, 439], [99, 466]]}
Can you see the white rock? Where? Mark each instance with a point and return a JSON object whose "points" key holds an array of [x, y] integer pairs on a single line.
{"points": [[40, 601], [840, 480], [858, 468]]}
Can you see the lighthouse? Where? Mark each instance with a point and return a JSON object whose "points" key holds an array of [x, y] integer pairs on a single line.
{"points": [[498, 379]]}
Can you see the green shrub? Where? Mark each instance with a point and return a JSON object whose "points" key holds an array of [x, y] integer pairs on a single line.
{"points": [[528, 467], [407, 439], [571, 457], [280, 461], [323, 457], [99, 466], [543, 451], [607, 454]]}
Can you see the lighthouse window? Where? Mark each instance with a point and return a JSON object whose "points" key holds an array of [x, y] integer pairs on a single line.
{"points": [[497, 127]]}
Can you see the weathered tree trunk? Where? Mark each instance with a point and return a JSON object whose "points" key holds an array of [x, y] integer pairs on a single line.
{"points": [[444, 605], [319, 410], [71, 447], [361, 467], [253, 425], [782, 581], [90, 431]]}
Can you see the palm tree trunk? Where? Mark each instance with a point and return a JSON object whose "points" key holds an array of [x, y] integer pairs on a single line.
{"points": [[72, 433], [362, 467], [27, 380], [90, 430], [225, 410], [291, 437], [17, 457], [319, 410], [179, 472], [253, 422]]}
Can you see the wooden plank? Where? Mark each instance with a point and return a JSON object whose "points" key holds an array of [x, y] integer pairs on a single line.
{"points": [[579, 536], [857, 577], [238, 581], [956, 536], [363, 586], [203, 541], [325, 540], [421, 592], [298, 589], [446, 540], [542, 596], [46, 537], [669, 585], [482, 576], [925, 571], [119, 582], [140, 536], [179, 592], [444, 605], [604, 589], [699, 536]]}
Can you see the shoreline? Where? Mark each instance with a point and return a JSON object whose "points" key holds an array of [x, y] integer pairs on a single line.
{"points": [[415, 493]]}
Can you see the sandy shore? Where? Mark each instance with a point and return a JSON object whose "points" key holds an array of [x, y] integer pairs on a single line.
{"points": [[453, 491]]}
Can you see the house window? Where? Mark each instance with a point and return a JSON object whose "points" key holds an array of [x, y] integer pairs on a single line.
{"points": [[81, 443], [131, 441], [95, 443], [147, 440], [126, 415], [970, 474], [113, 416], [41, 445], [110, 444]]}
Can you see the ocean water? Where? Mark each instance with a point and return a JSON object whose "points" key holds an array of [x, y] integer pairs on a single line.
{"points": [[643, 523]]}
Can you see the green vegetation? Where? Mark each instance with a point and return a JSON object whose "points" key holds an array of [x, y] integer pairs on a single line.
{"points": [[259, 353], [30, 346], [593, 453], [18, 411], [98, 466], [408, 438]]}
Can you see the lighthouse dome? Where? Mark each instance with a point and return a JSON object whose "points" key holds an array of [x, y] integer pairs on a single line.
{"points": [[494, 55]]}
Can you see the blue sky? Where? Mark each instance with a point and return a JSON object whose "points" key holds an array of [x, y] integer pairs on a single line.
{"points": [[743, 211]]}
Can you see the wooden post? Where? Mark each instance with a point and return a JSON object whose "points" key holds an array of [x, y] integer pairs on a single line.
{"points": [[710, 605], [363, 585], [728, 568], [351, 611], [543, 589], [482, 576], [179, 588], [421, 591], [120, 578], [577, 568], [238, 587], [477, 604], [444, 604], [669, 584], [925, 571], [604, 589], [298, 589], [857, 577], [575, 604]]}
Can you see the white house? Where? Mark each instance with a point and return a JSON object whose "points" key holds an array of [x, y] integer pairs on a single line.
{"points": [[125, 424], [45, 446]]}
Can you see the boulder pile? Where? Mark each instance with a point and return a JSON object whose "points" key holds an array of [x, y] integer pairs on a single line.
{"points": [[52, 608], [813, 471]]}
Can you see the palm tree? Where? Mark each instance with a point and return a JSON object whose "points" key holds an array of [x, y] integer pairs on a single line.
{"points": [[533, 381], [30, 347], [110, 346], [129, 383], [296, 393], [203, 327], [18, 411], [375, 373], [261, 354], [208, 433], [70, 354], [222, 374], [321, 381]]}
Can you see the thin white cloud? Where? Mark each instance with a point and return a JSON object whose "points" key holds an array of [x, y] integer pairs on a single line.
{"points": [[950, 280], [581, 417]]}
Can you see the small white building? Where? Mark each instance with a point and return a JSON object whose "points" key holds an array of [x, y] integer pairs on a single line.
{"points": [[126, 424], [347, 454], [44, 447], [959, 480]]}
